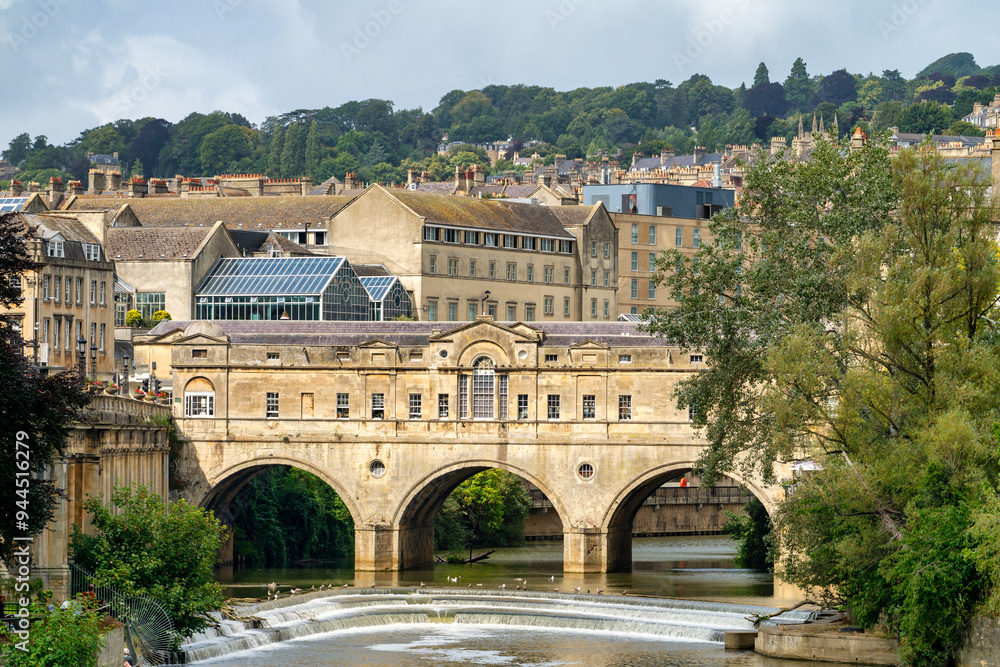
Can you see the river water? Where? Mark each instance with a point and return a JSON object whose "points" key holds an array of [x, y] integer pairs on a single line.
{"points": [[670, 610]]}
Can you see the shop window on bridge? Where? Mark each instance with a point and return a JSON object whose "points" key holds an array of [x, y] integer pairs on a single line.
{"points": [[343, 405], [378, 406], [199, 399]]}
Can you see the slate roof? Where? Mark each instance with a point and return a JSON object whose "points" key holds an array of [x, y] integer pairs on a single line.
{"points": [[130, 244], [520, 191], [286, 212], [911, 138], [70, 229], [325, 187], [365, 270], [263, 241], [438, 187], [648, 163], [489, 214], [299, 332]]}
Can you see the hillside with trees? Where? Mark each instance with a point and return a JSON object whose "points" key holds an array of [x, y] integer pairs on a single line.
{"points": [[380, 143]]}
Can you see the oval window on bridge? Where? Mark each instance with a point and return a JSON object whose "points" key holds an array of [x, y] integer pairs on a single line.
{"points": [[376, 468], [586, 471]]}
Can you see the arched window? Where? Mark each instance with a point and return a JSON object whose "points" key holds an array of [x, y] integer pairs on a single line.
{"points": [[199, 399], [488, 393], [483, 388]]}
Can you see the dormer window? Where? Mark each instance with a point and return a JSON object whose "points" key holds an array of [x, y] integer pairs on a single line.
{"points": [[92, 252], [55, 248]]}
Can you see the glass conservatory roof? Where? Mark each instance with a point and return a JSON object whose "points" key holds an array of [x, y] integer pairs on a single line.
{"points": [[261, 276], [12, 203], [377, 286]]}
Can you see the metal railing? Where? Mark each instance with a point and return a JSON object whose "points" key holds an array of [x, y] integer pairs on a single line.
{"points": [[689, 495], [111, 599]]}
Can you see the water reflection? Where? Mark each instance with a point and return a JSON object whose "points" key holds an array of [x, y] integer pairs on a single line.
{"points": [[699, 567]]}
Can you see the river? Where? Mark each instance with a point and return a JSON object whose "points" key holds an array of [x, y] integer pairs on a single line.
{"points": [[689, 588]]}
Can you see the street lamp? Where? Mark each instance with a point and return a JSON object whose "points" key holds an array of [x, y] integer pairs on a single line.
{"points": [[486, 296], [81, 356], [93, 361], [128, 369]]}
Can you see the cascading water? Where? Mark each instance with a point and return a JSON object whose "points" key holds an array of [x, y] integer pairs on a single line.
{"points": [[324, 612]]}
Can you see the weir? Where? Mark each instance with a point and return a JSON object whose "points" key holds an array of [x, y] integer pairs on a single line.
{"points": [[314, 613]]}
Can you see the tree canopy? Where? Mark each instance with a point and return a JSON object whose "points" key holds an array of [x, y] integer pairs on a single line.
{"points": [[847, 310]]}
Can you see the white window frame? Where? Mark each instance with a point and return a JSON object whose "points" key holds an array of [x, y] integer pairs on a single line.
{"points": [[416, 406], [271, 405], [207, 411]]}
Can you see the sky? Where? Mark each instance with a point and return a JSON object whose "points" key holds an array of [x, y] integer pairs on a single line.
{"points": [[69, 65]]}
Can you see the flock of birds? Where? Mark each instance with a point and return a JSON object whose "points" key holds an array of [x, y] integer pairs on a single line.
{"points": [[274, 592]]}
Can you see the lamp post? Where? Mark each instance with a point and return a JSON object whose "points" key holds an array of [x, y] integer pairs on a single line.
{"points": [[128, 369], [486, 295], [93, 361], [81, 356]]}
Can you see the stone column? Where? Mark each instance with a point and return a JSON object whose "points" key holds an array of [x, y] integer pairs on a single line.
{"points": [[375, 548]]}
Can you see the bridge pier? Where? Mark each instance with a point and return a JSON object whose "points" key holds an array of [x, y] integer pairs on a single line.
{"points": [[375, 548]]}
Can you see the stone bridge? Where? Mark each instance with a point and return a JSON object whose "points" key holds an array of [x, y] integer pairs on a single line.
{"points": [[394, 415]]}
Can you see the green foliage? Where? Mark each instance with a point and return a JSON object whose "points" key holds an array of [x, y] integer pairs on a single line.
{"points": [[223, 147], [955, 64], [924, 117], [761, 76], [752, 530], [285, 514], [487, 510], [862, 336], [159, 316], [67, 637], [144, 546], [133, 318]]}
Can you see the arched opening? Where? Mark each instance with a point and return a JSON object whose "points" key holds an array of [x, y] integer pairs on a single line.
{"points": [[672, 501], [424, 503], [282, 513]]}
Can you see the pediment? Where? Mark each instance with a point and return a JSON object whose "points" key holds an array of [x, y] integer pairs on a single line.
{"points": [[488, 329], [379, 344], [196, 339], [589, 345]]}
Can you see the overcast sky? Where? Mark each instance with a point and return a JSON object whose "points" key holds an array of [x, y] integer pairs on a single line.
{"points": [[69, 65]]}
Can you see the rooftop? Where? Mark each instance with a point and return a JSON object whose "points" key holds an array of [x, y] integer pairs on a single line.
{"points": [[340, 333], [125, 244]]}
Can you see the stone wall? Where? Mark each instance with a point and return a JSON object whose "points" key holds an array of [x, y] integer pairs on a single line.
{"points": [[981, 644]]}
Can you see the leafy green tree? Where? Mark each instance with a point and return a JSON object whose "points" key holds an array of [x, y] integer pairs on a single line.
{"points": [[741, 129], [137, 168], [894, 85], [274, 156], [955, 64], [680, 115], [710, 136], [40, 408], [799, 88], [487, 510], [148, 143], [836, 88], [18, 148], [144, 546], [312, 150], [292, 154], [924, 117], [286, 514], [757, 546], [222, 148], [761, 76], [863, 318], [960, 127]]}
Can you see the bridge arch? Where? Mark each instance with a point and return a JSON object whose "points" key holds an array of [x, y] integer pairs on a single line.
{"points": [[616, 523], [228, 483], [414, 516]]}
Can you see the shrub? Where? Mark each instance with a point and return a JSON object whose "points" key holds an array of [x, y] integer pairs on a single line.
{"points": [[159, 316], [133, 318], [70, 635]]}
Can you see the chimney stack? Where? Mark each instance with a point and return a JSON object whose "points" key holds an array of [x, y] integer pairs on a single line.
{"points": [[16, 188]]}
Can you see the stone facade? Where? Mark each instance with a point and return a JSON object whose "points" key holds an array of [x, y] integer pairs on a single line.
{"points": [[70, 295], [119, 445], [642, 239], [425, 241], [394, 415]]}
